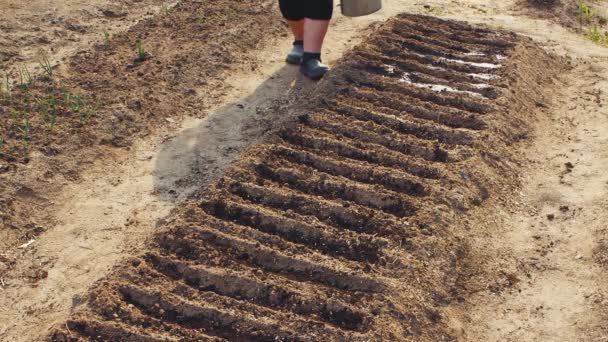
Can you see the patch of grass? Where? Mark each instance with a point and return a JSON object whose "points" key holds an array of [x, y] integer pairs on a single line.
{"points": [[1, 143], [595, 35], [585, 13], [46, 64]]}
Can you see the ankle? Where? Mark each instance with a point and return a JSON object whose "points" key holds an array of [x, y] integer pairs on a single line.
{"points": [[298, 42], [311, 55]]}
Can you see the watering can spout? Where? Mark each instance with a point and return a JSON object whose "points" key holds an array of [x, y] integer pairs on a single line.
{"points": [[358, 8]]}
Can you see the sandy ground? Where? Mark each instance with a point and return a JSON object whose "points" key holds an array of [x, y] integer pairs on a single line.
{"points": [[560, 286], [546, 239]]}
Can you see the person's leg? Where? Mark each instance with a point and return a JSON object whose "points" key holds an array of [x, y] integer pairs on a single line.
{"points": [[292, 11], [318, 15], [297, 28], [314, 34]]}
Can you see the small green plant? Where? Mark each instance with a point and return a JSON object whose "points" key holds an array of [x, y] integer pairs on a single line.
{"points": [[200, 18], [46, 64], [15, 115], [1, 143], [165, 9], [91, 112], [25, 78], [52, 108], [75, 104], [141, 52], [585, 13], [602, 20], [25, 129], [106, 37], [596, 36], [6, 86]]}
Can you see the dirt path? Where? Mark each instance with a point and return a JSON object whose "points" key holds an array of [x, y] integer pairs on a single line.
{"points": [[108, 215], [547, 240]]}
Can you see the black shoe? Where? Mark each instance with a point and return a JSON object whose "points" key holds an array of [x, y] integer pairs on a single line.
{"points": [[295, 55], [313, 69]]}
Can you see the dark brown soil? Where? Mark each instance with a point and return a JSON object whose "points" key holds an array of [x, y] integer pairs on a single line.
{"points": [[347, 223], [189, 48]]}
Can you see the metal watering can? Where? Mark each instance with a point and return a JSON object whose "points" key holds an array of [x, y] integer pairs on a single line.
{"points": [[358, 8]]}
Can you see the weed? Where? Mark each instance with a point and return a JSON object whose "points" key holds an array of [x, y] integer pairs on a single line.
{"points": [[25, 78], [585, 13], [165, 9], [52, 107], [46, 64], [1, 143], [141, 52], [602, 20], [15, 115], [6, 86], [76, 104], [25, 131], [91, 112], [596, 36], [200, 18], [106, 37]]}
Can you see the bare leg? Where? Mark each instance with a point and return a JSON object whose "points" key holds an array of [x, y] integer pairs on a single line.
{"points": [[314, 34], [297, 27]]}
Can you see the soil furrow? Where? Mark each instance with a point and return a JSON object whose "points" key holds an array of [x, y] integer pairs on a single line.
{"points": [[352, 217], [239, 286], [97, 330], [372, 132], [200, 239], [420, 112], [391, 179], [387, 46], [395, 120], [316, 236], [413, 65], [461, 101], [338, 188]]}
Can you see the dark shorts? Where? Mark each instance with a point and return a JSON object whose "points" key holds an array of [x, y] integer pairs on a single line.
{"points": [[312, 9]]}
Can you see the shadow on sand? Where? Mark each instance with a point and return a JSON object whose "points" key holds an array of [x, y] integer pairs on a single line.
{"points": [[205, 147]]}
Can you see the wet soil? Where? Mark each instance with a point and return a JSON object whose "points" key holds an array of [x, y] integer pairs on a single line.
{"points": [[328, 228]]}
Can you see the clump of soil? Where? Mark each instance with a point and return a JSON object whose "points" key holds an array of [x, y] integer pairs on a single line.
{"points": [[347, 221]]}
